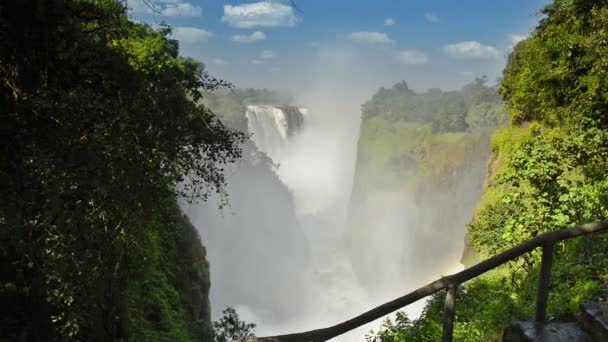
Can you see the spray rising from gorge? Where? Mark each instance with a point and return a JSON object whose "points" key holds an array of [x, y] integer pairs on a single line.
{"points": [[316, 233]]}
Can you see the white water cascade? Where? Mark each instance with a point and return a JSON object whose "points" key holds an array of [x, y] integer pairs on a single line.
{"points": [[272, 126]]}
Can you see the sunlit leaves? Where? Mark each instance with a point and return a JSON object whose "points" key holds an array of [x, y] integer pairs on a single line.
{"points": [[101, 118], [558, 74]]}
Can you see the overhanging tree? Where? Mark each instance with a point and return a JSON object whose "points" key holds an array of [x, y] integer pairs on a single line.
{"points": [[100, 120]]}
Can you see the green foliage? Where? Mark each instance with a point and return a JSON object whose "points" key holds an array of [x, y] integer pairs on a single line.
{"points": [[154, 311], [484, 307], [486, 114], [230, 328], [475, 106], [167, 297], [451, 117], [551, 180], [100, 120], [406, 153], [402, 329], [557, 76]]}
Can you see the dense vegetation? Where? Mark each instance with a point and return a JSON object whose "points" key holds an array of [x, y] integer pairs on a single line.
{"points": [[100, 121], [420, 154], [547, 172], [474, 106], [405, 134]]}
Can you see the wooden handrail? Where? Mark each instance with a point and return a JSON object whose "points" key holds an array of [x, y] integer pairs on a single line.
{"points": [[451, 282]]}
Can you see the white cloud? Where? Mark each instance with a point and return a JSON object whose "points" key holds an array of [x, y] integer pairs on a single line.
{"points": [[412, 57], [219, 61], [253, 37], [471, 50], [370, 37], [191, 35], [257, 61], [260, 14], [169, 8], [267, 54], [182, 9], [431, 17], [389, 22]]}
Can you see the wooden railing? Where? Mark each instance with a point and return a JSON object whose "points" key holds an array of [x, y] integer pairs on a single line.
{"points": [[546, 241]]}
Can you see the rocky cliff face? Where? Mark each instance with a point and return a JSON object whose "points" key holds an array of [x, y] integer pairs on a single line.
{"points": [[414, 192]]}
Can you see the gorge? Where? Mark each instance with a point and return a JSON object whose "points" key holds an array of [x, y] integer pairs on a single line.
{"points": [[150, 178], [313, 235]]}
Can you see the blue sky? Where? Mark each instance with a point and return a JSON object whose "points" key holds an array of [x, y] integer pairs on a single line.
{"points": [[364, 44]]}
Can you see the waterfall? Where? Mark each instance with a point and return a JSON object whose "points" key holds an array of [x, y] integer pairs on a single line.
{"points": [[271, 127]]}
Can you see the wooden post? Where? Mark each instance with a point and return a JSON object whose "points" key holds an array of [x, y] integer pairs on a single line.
{"points": [[449, 311], [544, 283]]}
